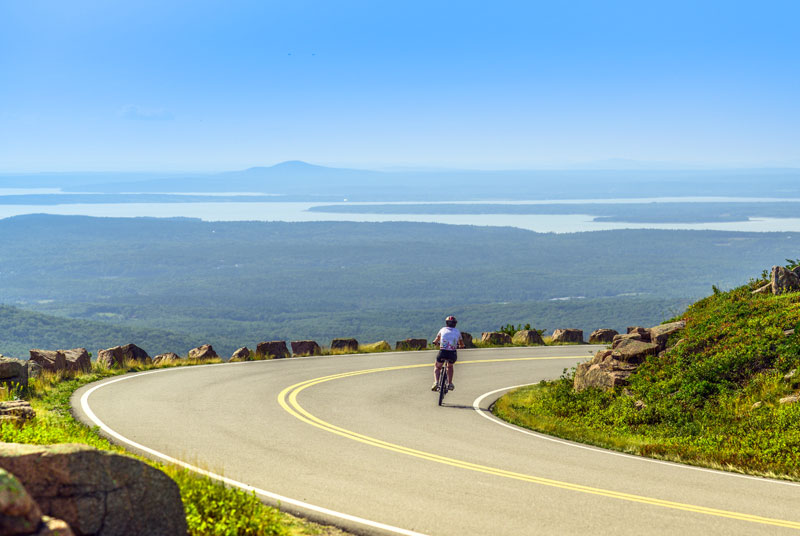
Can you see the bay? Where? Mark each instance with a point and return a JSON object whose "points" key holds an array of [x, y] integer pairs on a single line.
{"points": [[298, 212]]}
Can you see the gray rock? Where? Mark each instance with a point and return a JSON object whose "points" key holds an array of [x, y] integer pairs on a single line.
{"points": [[77, 359], [411, 344], [643, 332], [54, 527], [468, 341], [791, 399], [784, 280], [97, 492], [568, 336], [660, 334], [16, 411], [34, 369], [203, 352], [602, 336], [765, 289], [496, 338], [241, 354], [50, 360], [626, 337], [791, 374], [603, 372], [19, 513], [306, 348], [272, 350], [633, 351], [117, 356], [13, 373], [528, 337], [344, 345], [165, 359]]}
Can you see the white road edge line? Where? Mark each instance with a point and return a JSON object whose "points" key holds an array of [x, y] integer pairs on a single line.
{"points": [[476, 405], [169, 459]]}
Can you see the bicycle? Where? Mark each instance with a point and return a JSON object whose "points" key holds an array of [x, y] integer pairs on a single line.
{"points": [[444, 383]]}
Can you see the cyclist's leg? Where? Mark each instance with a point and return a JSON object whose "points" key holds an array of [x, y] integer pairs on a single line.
{"points": [[450, 369]]}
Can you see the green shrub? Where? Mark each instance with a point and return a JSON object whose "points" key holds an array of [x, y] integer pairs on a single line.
{"points": [[712, 399], [213, 509]]}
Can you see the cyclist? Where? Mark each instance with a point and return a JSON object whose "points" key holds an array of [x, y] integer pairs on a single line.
{"points": [[448, 339]]}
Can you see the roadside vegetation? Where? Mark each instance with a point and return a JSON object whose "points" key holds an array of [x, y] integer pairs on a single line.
{"points": [[721, 397], [211, 508]]}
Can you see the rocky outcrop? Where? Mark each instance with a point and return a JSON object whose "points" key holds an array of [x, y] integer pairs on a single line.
{"points": [[660, 334], [496, 338], [603, 372], [528, 337], [644, 333], [467, 339], [306, 348], [13, 373], [97, 492], [166, 359], [781, 280], [20, 515], [17, 412], [203, 352], [411, 344], [568, 336], [115, 357], [633, 351], [272, 350], [75, 360], [612, 368], [784, 280], [602, 336], [49, 360], [34, 369], [626, 337], [344, 345], [241, 354]]}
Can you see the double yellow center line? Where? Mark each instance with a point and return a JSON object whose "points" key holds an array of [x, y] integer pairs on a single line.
{"points": [[288, 400]]}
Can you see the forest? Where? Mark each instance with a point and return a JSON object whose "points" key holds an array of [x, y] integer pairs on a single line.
{"points": [[176, 283]]}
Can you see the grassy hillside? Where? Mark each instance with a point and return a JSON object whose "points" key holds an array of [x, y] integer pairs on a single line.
{"points": [[712, 400], [22, 330]]}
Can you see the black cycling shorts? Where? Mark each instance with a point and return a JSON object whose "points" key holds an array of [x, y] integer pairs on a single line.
{"points": [[446, 355]]}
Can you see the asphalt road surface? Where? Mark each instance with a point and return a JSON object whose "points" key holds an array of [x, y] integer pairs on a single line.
{"points": [[359, 441]]}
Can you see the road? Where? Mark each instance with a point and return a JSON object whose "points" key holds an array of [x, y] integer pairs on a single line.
{"points": [[358, 441]]}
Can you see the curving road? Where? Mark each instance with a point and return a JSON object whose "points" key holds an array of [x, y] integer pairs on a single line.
{"points": [[359, 441]]}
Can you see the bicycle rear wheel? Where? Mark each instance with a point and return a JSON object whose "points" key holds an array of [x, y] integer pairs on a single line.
{"points": [[443, 383]]}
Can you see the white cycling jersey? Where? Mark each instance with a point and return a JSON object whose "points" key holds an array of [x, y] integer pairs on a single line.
{"points": [[448, 338]]}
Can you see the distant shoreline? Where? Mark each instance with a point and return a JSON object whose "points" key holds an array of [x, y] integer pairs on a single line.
{"points": [[544, 216]]}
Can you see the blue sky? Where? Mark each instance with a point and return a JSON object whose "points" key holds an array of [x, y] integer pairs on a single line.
{"points": [[204, 86]]}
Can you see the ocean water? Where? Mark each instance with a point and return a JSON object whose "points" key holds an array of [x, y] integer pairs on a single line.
{"points": [[298, 212]]}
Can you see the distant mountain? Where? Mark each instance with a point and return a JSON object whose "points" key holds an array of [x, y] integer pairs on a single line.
{"points": [[306, 181]]}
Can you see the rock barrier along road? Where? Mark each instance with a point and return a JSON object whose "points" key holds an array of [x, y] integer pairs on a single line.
{"points": [[359, 441]]}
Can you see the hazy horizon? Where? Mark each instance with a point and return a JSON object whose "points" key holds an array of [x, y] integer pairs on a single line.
{"points": [[609, 165]]}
